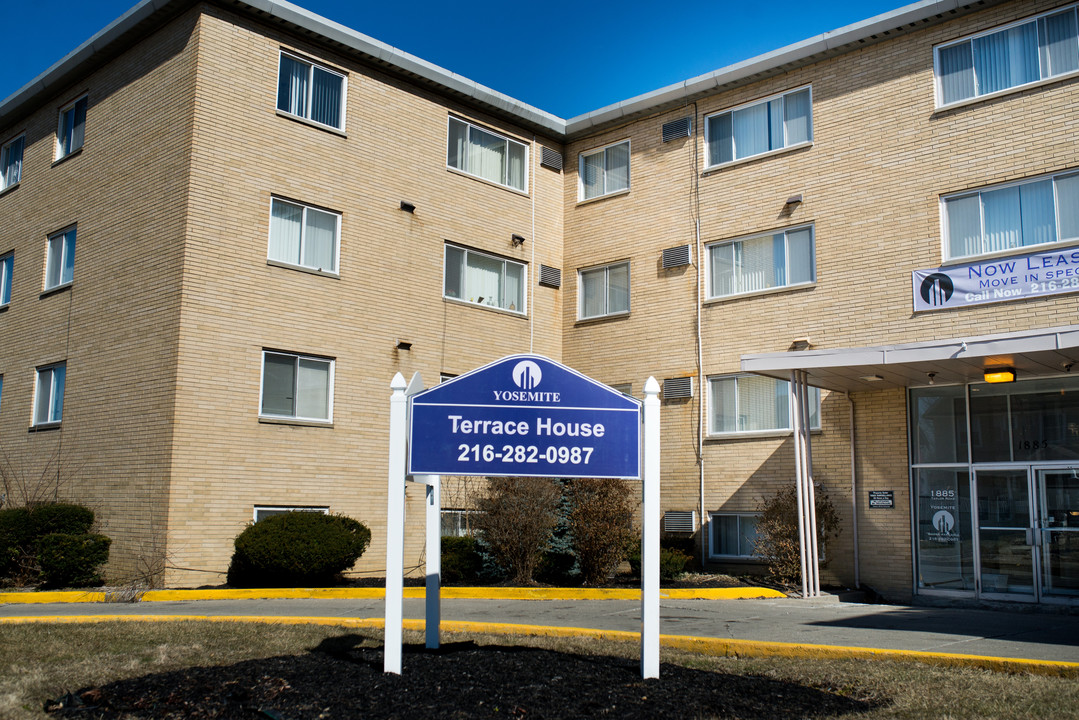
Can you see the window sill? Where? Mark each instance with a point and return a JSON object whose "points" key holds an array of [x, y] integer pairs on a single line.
{"points": [[9, 188], [303, 268], [42, 427], [616, 193], [269, 420], [942, 109], [485, 181], [73, 153], [311, 123], [489, 308], [55, 289], [758, 293], [601, 318], [4, 307], [755, 435], [751, 158], [736, 559], [1024, 250]]}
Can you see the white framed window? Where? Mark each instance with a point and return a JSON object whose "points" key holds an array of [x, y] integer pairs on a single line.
{"points": [[604, 291], [733, 535], [49, 394], [1039, 48], [486, 154], [783, 258], [1011, 216], [484, 279], [7, 264], [311, 91], [763, 126], [262, 512], [744, 404], [603, 171], [72, 128], [11, 162], [296, 387], [304, 236], [459, 523], [60, 258]]}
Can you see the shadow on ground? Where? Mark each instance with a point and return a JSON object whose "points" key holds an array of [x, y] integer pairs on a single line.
{"points": [[343, 678]]}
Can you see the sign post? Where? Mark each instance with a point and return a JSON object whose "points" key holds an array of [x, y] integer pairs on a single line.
{"points": [[520, 416]]}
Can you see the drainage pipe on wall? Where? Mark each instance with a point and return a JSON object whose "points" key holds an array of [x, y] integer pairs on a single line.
{"points": [[854, 491]]}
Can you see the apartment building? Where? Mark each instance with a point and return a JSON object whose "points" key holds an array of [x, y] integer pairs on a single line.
{"points": [[274, 214]]}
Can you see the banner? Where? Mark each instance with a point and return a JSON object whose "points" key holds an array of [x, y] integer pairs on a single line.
{"points": [[997, 280]]}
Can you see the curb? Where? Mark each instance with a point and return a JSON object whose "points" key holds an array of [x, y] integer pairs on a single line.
{"points": [[712, 647], [447, 593]]}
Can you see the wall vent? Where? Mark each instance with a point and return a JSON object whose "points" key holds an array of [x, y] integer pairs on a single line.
{"points": [[675, 388], [680, 521], [549, 276], [680, 128], [550, 158], [675, 256]]}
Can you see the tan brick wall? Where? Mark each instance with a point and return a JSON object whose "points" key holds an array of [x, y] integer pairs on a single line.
{"points": [[389, 289], [116, 325], [871, 182]]}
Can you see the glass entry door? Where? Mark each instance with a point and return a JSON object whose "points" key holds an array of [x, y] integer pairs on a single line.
{"points": [[1059, 536], [1006, 536]]}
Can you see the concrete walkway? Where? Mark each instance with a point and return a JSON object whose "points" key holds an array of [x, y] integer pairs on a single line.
{"points": [[1043, 641]]}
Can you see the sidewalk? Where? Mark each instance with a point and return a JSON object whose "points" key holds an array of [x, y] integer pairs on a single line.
{"points": [[1015, 640]]}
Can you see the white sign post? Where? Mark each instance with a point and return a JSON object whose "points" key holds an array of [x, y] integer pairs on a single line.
{"points": [[545, 423]]}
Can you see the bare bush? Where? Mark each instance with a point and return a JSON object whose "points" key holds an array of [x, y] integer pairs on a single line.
{"points": [[601, 525], [517, 518], [777, 532]]}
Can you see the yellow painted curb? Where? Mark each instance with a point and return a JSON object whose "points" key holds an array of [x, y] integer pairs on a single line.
{"points": [[377, 593], [713, 647]]}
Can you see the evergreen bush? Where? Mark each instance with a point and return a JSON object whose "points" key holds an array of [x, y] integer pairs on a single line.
{"points": [[72, 560], [672, 562], [461, 559], [60, 518], [300, 549]]}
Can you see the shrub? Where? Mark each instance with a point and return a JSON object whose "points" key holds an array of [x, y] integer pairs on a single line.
{"points": [[296, 549], [601, 523], [461, 559], [72, 560], [60, 518], [777, 532], [517, 521], [15, 539], [672, 562]]}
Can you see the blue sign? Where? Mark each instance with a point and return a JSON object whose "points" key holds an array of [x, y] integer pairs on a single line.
{"points": [[524, 415]]}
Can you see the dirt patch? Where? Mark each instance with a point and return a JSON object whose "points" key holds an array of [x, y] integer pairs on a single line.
{"points": [[343, 678]]}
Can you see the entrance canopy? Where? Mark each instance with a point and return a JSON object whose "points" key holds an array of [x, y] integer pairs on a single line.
{"points": [[1032, 353]]}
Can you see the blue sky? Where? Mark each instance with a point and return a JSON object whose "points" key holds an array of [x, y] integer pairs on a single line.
{"points": [[566, 57]]}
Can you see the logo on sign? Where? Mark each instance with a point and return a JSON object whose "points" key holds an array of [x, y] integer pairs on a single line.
{"points": [[937, 289], [527, 374]]}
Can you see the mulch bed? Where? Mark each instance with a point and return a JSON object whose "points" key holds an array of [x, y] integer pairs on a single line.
{"points": [[343, 679]]}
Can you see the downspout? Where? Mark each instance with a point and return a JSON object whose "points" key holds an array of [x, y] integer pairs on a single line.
{"points": [[700, 342], [854, 491]]}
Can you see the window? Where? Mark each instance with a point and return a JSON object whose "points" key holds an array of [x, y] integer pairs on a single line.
{"points": [[1004, 217], [311, 92], [6, 264], [1042, 47], [604, 171], [264, 511], [483, 279], [487, 155], [605, 291], [49, 394], [297, 387], [775, 123], [459, 523], [72, 128], [304, 236], [753, 403], [733, 535], [761, 262], [60, 258], [11, 162]]}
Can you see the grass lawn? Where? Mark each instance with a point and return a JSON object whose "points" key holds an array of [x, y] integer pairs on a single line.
{"points": [[43, 661]]}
